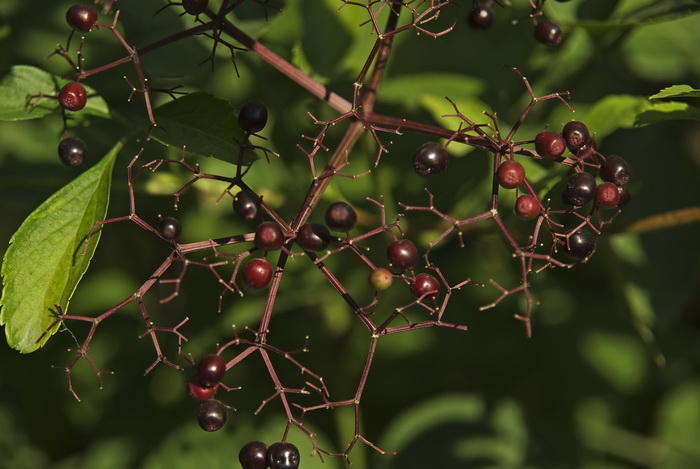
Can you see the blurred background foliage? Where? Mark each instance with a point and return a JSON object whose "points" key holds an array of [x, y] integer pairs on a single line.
{"points": [[610, 378]]}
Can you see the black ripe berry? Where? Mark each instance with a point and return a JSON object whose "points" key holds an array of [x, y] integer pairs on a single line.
{"points": [[527, 207], [211, 370], [340, 216], [313, 237], [246, 204], [548, 33], [196, 391], [576, 135], [257, 273], [194, 7], [580, 244], [269, 236], [81, 18], [72, 96], [550, 144], [615, 170], [212, 415], [72, 151], [430, 159], [402, 254], [607, 195], [169, 228], [253, 455], [283, 455], [425, 285], [380, 278], [252, 116], [624, 196], [480, 18], [510, 174], [580, 188]]}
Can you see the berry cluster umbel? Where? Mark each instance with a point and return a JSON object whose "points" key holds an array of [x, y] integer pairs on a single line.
{"points": [[561, 231]]}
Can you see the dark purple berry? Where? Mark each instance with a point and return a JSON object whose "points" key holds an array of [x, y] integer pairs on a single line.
{"points": [[527, 207], [257, 273], [425, 285], [169, 228], [253, 455], [340, 216], [402, 254], [430, 159], [510, 174], [72, 151], [615, 170], [269, 236], [194, 7], [313, 237], [480, 18], [580, 244], [253, 116], [211, 370], [282, 455], [580, 188], [576, 135], [548, 33], [246, 204], [624, 196], [550, 144], [212, 415], [196, 391], [81, 18], [380, 278], [73, 96], [607, 195]]}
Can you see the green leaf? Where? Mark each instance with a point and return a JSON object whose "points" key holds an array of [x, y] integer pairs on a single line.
{"points": [[204, 125], [615, 112], [20, 82], [411, 89], [668, 110], [47, 255], [677, 91]]}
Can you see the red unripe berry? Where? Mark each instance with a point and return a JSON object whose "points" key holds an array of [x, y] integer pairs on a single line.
{"points": [[269, 236], [550, 144], [196, 391], [607, 195], [527, 207], [73, 96], [510, 174], [81, 18], [425, 285], [402, 254], [257, 273]]}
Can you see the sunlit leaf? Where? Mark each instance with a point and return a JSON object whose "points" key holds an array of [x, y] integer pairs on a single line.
{"points": [[677, 91]]}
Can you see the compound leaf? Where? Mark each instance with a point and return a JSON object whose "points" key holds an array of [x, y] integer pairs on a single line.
{"points": [[204, 124], [677, 91], [48, 256]]}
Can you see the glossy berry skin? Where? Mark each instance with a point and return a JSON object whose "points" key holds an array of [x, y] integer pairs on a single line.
{"points": [[607, 195], [246, 204], [257, 273], [194, 7], [430, 159], [576, 135], [402, 254], [211, 370], [615, 170], [548, 33], [169, 228], [624, 196], [550, 144], [527, 207], [196, 391], [425, 285], [72, 151], [581, 244], [480, 18], [380, 278], [313, 237], [252, 116], [81, 18], [510, 174], [212, 415], [283, 455], [269, 236], [340, 216], [72, 96], [253, 455], [580, 188]]}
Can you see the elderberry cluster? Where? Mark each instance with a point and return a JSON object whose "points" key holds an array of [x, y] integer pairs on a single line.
{"points": [[280, 455]]}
